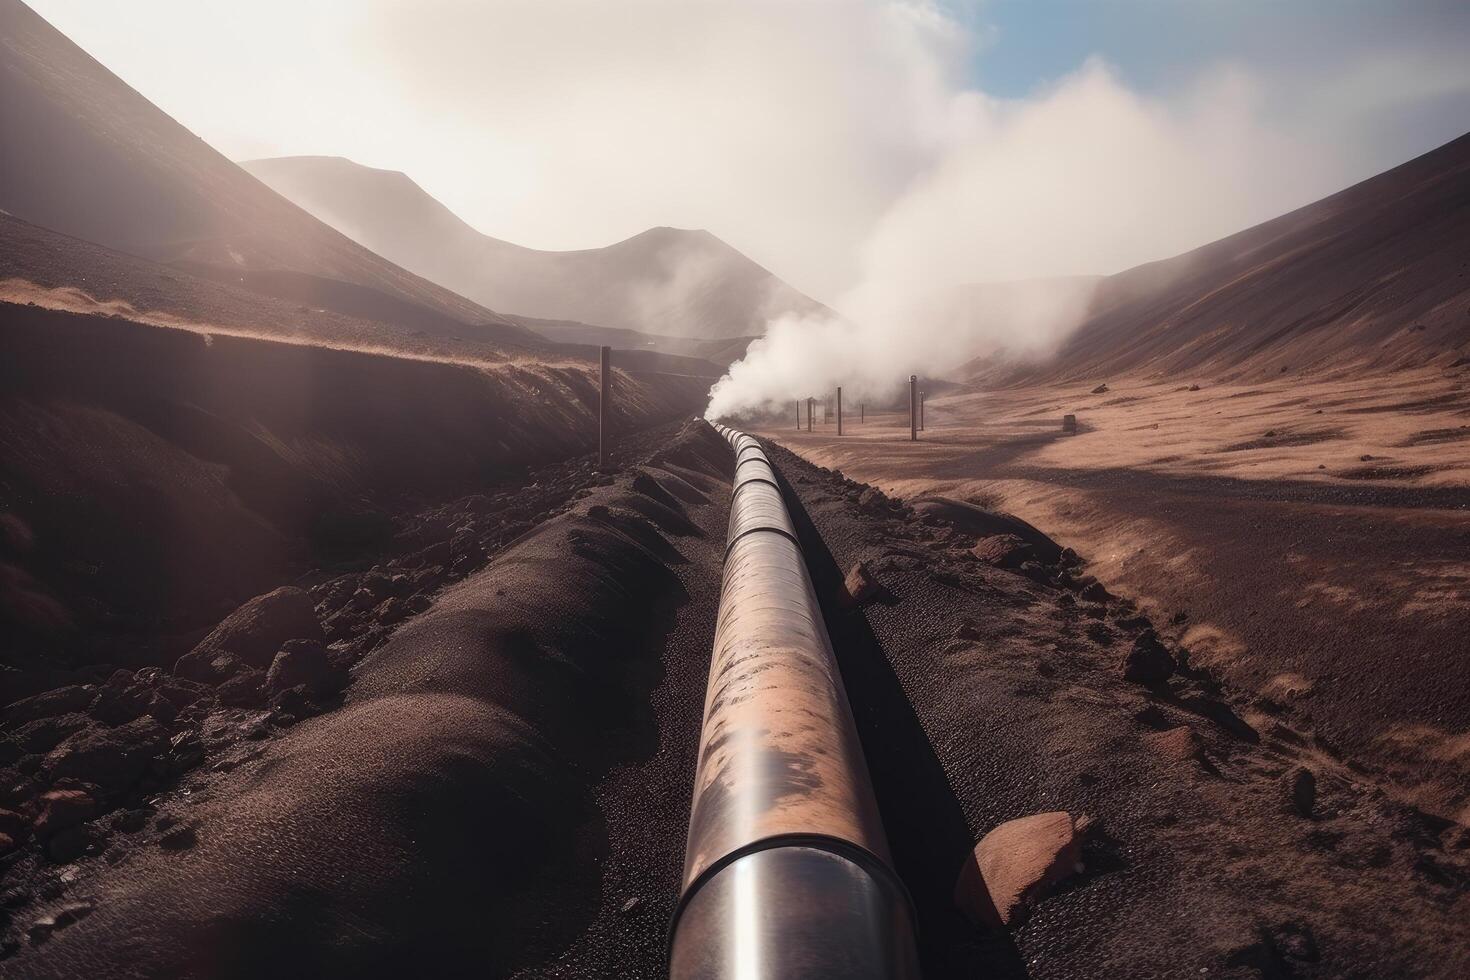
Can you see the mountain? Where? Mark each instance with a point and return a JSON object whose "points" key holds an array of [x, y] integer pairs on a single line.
{"points": [[1375, 275], [86, 155], [665, 281], [722, 351]]}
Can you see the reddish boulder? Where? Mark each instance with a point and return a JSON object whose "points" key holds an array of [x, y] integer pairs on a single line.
{"points": [[1003, 551], [862, 586], [1179, 744], [1017, 864]]}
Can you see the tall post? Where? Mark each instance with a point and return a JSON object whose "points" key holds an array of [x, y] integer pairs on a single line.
{"points": [[862, 412], [839, 410], [798, 415], [809, 414], [922, 396], [603, 442], [913, 408]]}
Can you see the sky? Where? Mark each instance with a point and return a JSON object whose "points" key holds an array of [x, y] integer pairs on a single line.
{"points": [[848, 145]]}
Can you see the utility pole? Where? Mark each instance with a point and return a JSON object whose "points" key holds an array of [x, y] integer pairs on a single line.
{"points": [[809, 410], [798, 415], [913, 408], [862, 412], [922, 396], [839, 410], [602, 409]]}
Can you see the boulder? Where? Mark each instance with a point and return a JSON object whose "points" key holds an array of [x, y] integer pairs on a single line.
{"points": [[121, 699], [873, 501], [251, 635], [1299, 790], [245, 690], [45, 734], [1003, 551], [113, 758], [862, 586], [1148, 662], [303, 663], [63, 808], [1017, 864], [1179, 744], [61, 701]]}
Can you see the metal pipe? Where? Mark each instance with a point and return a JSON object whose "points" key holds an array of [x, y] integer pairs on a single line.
{"points": [[603, 443], [839, 410], [786, 873]]}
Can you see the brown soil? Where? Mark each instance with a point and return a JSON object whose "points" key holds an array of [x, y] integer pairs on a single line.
{"points": [[506, 788], [1328, 575]]}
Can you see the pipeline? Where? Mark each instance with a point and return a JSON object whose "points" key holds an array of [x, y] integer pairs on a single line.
{"points": [[786, 873]]}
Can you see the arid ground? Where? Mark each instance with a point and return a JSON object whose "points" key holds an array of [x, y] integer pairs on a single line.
{"points": [[1306, 538]]}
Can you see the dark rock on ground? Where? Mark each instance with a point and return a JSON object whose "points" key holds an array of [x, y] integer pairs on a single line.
{"points": [[305, 663], [63, 808], [1149, 661], [113, 758], [862, 585], [252, 634], [1299, 789], [244, 690], [49, 704]]}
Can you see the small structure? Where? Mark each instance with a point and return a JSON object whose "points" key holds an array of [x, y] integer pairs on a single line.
{"points": [[1069, 424]]}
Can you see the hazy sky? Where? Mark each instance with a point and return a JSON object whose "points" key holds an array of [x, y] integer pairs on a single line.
{"points": [[825, 138]]}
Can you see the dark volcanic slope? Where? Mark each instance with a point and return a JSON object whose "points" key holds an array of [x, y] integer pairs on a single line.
{"points": [[99, 161], [721, 351], [664, 281], [164, 473], [446, 821], [1377, 273]]}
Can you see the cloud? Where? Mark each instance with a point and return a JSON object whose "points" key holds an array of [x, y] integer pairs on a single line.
{"points": [[825, 138], [1085, 176]]}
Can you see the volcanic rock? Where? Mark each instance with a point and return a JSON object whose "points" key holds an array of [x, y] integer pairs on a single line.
{"points": [[61, 701], [862, 586], [1003, 551], [113, 758], [1149, 662], [252, 634], [1179, 744], [246, 689], [304, 663], [1299, 789], [63, 808]]}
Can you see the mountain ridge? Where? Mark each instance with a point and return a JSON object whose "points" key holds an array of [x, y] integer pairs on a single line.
{"points": [[675, 282]]}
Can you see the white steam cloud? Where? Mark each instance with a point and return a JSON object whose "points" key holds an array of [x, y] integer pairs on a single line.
{"points": [[1085, 177]]}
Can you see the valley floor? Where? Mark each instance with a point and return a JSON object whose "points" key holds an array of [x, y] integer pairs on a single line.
{"points": [[1307, 539]]}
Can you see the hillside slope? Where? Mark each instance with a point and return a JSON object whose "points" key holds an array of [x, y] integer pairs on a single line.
{"points": [[668, 281], [1377, 275], [100, 162]]}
